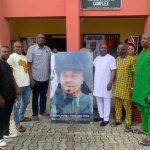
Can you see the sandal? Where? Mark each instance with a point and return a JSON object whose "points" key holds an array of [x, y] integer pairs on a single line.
{"points": [[137, 131], [20, 129], [128, 128], [25, 119], [114, 124], [147, 142]]}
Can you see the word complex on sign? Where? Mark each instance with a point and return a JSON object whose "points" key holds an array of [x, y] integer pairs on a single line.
{"points": [[101, 4]]}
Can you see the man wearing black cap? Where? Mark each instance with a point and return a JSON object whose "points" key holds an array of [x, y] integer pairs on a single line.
{"points": [[72, 100]]}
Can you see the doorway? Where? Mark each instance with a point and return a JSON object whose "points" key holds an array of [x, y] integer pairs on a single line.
{"points": [[56, 41], [59, 44]]}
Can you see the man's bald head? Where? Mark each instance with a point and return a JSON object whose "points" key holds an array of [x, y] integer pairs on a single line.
{"points": [[124, 46], [103, 49], [145, 41], [18, 42], [41, 34], [122, 49], [18, 46], [147, 34], [41, 39], [103, 44]]}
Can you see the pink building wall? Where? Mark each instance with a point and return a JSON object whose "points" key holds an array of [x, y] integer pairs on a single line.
{"points": [[69, 9]]}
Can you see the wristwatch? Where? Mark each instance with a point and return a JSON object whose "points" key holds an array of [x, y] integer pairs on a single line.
{"points": [[111, 82]]}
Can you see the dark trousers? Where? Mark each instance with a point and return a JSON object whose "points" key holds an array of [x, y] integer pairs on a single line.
{"points": [[5, 113], [42, 91]]}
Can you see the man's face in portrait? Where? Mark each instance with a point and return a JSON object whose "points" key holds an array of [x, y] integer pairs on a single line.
{"points": [[71, 82]]}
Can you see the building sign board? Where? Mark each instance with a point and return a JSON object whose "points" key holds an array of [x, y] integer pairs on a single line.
{"points": [[101, 4]]}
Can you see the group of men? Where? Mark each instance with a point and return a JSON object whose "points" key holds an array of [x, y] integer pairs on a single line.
{"points": [[113, 77], [124, 79], [18, 75]]}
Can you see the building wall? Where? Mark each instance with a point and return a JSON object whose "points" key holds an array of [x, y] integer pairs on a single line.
{"points": [[14, 29], [31, 28], [124, 27], [57, 8]]}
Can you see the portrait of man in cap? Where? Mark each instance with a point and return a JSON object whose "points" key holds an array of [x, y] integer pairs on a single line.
{"points": [[70, 99]]}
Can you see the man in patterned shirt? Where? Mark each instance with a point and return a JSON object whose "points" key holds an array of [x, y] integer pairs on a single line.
{"points": [[38, 57], [123, 85]]}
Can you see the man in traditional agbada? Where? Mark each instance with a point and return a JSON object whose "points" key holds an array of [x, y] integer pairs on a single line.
{"points": [[105, 69], [123, 86], [142, 88]]}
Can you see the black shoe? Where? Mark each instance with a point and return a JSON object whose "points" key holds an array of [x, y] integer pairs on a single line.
{"points": [[104, 123], [98, 119]]}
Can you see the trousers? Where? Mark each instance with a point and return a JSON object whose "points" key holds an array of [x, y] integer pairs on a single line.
{"points": [[42, 91], [104, 106], [127, 103], [25, 95], [145, 115], [5, 113]]}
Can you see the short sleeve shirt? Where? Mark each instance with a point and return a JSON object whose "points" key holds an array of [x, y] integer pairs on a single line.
{"points": [[20, 69], [40, 59], [123, 81]]}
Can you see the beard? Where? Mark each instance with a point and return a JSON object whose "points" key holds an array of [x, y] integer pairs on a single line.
{"points": [[4, 57], [68, 88], [103, 53]]}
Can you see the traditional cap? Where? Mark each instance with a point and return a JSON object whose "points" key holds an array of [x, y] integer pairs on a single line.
{"points": [[131, 42], [73, 61], [93, 43]]}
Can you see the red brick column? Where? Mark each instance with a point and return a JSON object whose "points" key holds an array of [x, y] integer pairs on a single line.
{"points": [[4, 28], [73, 25], [147, 19]]}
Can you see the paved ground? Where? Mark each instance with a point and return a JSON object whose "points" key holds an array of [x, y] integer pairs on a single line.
{"points": [[47, 136]]}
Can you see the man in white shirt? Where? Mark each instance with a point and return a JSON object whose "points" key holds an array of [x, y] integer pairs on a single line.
{"points": [[84, 48], [105, 69], [18, 63]]}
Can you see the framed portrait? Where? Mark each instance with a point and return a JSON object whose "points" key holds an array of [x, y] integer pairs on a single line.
{"points": [[71, 87]]}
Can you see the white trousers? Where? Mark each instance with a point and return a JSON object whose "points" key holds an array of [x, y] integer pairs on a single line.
{"points": [[104, 106]]}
